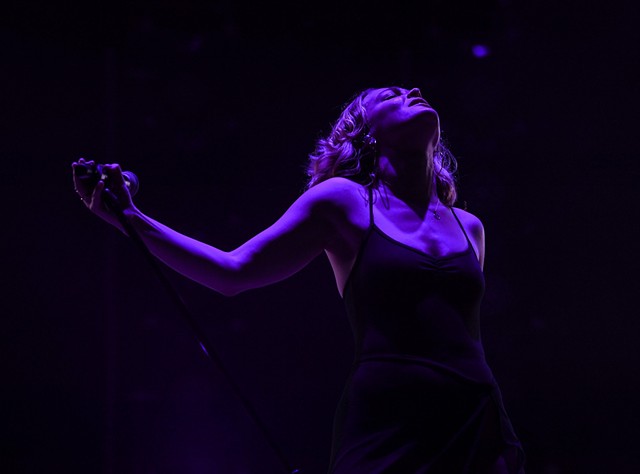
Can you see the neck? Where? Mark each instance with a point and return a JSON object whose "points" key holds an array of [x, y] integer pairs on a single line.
{"points": [[408, 177]]}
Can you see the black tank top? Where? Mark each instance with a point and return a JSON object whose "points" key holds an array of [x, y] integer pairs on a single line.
{"points": [[403, 303]]}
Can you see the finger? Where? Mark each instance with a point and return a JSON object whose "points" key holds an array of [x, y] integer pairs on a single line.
{"points": [[74, 176], [84, 161], [117, 172], [98, 189], [96, 195], [116, 179], [89, 163], [112, 167]]}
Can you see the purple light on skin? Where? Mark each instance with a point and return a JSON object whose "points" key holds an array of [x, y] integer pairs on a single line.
{"points": [[480, 50]]}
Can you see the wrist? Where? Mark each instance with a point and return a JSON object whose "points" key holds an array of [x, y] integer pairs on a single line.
{"points": [[127, 219], [131, 212]]}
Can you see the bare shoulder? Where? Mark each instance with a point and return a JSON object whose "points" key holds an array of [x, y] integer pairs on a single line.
{"points": [[337, 194], [470, 221], [342, 206], [473, 225], [337, 187]]}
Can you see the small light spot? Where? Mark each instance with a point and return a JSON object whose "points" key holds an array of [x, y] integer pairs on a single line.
{"points": [[480, 50]]}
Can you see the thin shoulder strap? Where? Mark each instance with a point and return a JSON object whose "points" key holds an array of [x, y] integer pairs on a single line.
{"points": [[370, 207], [462, 227]]}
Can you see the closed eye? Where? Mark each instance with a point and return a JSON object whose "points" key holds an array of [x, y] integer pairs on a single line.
{"points": [[390, 93]]}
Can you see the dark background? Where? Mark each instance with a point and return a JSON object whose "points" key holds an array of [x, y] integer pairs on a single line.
{"points": [[215, 106]]}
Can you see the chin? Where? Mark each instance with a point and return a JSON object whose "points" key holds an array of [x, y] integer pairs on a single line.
{"points": [[431, 114]]}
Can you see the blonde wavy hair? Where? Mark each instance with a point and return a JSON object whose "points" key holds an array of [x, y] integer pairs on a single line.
{"points": [[349, 151]]}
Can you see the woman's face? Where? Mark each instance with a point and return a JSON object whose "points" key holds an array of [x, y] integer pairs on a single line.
{"points": [[400, 117]]}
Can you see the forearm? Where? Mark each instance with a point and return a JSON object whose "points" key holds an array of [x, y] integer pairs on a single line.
{"points": [[202, 263]]}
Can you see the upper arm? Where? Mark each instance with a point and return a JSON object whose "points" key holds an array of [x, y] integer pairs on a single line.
{"points": [[309, 226], [477, 234], [475, 231]]}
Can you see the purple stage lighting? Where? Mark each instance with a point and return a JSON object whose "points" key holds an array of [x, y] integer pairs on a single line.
{"points": [[480, 50]]}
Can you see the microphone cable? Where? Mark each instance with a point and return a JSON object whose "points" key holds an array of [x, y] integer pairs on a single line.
{"points": [[112, 202]]}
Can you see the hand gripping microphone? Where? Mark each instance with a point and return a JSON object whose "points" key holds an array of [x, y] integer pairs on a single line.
{"points": [[91, 174]]}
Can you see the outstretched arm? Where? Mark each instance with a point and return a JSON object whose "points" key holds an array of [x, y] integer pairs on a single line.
{"points": [[301, 234]]}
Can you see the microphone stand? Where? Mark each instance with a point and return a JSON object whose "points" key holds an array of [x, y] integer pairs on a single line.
{"points": [[114, 205]]}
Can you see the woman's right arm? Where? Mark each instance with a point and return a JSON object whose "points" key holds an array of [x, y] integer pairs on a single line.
{"points": [[311, 224]]}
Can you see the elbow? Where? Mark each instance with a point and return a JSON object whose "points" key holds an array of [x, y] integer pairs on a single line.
{"points": [[234, 280]]}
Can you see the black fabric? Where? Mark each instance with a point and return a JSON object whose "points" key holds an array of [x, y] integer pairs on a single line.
{"points": [[420, 398]]}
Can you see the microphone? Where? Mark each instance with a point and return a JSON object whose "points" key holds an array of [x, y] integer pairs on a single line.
{"points": [[92, 174]]}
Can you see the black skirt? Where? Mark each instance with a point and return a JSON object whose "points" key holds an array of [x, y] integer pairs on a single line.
{"points": [[408, 417]]}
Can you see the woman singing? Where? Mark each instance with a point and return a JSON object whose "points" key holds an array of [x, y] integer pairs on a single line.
{"points": [[420, 398]]}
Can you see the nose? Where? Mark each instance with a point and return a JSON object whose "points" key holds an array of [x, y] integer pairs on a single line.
{"points": [[415, 92]]}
